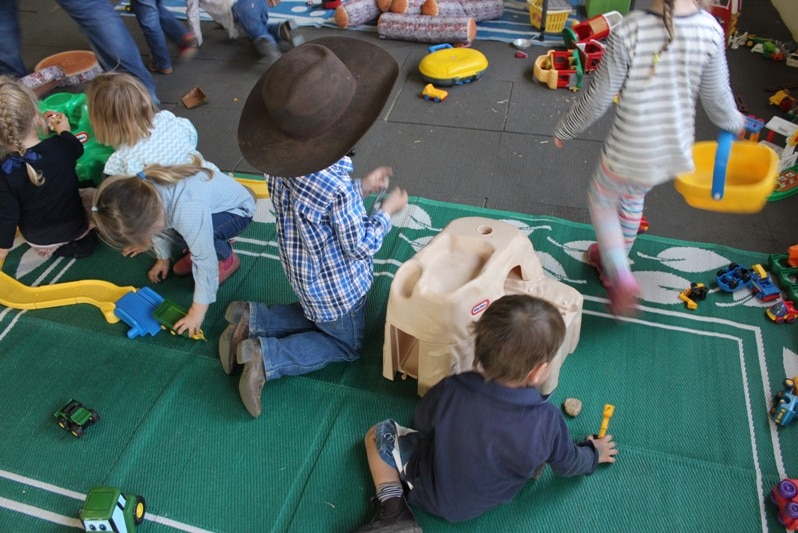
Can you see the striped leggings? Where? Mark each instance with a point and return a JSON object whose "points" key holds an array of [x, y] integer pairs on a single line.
{"points": [[616, 207]]}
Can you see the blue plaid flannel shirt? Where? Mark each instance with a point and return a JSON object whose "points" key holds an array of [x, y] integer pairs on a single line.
{"points": [[327, 239]]}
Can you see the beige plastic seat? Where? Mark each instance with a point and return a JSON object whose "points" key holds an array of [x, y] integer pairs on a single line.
{"points": [[437, 295]]}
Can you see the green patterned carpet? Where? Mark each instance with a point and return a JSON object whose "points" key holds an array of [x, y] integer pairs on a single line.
{"points": [[691, 389]]}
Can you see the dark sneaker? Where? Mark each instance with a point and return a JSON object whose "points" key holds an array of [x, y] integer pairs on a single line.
{"points": [[80, 248], [268, 50], [391, 516], [289, 36]]}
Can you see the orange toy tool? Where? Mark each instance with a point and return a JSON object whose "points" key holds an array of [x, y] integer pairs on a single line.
{"points": [[609, 409]]}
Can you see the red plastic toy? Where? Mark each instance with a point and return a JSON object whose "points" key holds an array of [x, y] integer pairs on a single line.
{"points": [[594, 28], [785, 495]]}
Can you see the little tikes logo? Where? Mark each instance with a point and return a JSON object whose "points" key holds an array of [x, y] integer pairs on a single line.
{"points": [[82, 136], [481, 306]]}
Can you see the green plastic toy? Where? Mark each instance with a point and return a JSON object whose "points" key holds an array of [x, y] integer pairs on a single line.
{"points": [[108, 509], [89, 167]]}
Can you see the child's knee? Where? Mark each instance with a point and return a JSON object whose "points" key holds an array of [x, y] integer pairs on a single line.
{"points": [[371, 437]]}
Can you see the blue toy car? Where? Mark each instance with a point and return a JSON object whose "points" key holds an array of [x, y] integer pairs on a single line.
{"points": [[762, 285], [734, 277], [785, 404]]}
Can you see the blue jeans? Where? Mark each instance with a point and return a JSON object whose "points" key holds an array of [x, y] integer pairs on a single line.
{"points": [[396, 445], [225, 227], [292, 345], [253, 17], [157, 24], [100, 24]]}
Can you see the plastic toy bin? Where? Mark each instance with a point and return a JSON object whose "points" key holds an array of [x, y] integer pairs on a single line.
{"points": [[557, 12], [751, 174]]}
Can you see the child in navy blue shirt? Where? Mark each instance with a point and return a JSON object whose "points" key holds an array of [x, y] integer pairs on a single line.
{"points": [[481, 435]]}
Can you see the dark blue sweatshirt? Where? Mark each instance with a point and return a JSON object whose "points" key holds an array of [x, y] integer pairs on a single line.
{"points": [[482, 442]]}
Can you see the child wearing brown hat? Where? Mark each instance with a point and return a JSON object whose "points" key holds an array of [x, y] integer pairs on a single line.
{"points": [[300, 120]]}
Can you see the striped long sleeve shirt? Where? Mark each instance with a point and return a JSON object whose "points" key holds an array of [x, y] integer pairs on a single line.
{"points": [[653, 132]]}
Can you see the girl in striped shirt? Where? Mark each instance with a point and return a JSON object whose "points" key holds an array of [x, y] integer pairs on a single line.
{"points": [[660, 62]]}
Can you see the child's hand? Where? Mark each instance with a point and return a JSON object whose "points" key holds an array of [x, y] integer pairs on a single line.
{"points": [[193, 319], [132, 251], [606, 447], [395, 202], [159, 270], [558, 142], [377, 180], [57, 122]]}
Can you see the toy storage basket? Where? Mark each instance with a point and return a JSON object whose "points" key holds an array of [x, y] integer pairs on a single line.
{"points": [[730, 176], [557, 13]]}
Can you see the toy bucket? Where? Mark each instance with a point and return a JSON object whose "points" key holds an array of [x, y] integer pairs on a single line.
{"points": [[730, 176]]}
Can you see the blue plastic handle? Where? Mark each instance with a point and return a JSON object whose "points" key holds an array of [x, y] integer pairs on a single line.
{"points": [[725, 140], [437, 47]]}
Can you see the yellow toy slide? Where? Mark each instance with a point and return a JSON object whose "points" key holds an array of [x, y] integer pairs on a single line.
{"points": [[98, 293]]}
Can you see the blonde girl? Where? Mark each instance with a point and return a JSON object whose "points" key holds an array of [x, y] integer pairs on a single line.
{"points": [[183, 206], [123, 116], [660, 61], [39, 191]]}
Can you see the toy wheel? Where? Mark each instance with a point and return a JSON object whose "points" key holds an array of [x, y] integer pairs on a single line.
{"points": [[790, 319], [791, 510], [779, 320], [139, 510], [437, 100], [76, 431], [62, 423], [733, 284], [426, 97], [95, 416], [787, 489], [788, 383]]}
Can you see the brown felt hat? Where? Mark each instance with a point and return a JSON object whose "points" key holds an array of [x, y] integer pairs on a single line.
{"points": [[313, 104]]}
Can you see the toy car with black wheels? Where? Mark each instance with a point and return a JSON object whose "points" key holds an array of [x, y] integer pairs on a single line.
{"points": [[785, 404], [762, 286], [107, 509], [74, 417], [733, 277], [785, 495], [782, 312], [431, 93]]}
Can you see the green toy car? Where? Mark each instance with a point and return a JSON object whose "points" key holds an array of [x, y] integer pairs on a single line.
{"points": [[107, 509], [73, 417]]}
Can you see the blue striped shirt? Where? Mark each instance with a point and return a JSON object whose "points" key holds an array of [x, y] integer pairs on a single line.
{"points": [[327, 240], [651, 138]]}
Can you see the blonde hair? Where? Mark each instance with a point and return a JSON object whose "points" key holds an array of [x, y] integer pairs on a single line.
{"points": [[19, 117], [515, 334], [667, 19], [126, 207], [121, 109]]}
